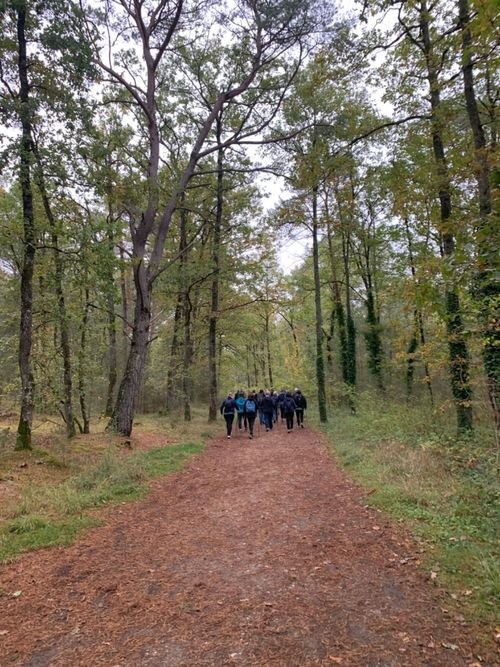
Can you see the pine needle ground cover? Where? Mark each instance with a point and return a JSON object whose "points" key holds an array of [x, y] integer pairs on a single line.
{"points": [[446, 487], [48, 494]]}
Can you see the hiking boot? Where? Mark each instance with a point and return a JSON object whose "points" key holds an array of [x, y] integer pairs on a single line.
{"points": [[229, 437]]}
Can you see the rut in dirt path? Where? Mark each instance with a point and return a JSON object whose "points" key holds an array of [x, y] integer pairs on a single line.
{"points": [[259, 553]]}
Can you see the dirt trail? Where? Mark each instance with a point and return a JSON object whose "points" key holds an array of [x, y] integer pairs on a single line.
{"points": [[258, 553]]}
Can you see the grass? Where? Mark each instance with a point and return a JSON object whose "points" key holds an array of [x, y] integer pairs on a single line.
{"points": [[446, 487], [56, 498]]}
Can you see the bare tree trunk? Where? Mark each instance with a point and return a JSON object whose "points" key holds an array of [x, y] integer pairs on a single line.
{"points": [[458, 353], [23, 440]]}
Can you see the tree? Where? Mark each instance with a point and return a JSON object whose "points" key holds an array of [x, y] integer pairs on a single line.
{"points": [[256, 48]]}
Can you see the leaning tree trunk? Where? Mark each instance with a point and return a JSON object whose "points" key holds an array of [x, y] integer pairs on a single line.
{"points": [[23, 440], [488, 288], [457, 348], [320, 363]]}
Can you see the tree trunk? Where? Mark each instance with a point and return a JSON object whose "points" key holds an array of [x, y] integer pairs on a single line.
{"points": [[23, 440], [320, 364], [372, 336], [457, 349], [61, 302], [172, 396], [214, 306], [350, 361], [488, 288], [82, 375], [418, 329], [268, 349], [112, 343], [123, 414], [186, 316]]}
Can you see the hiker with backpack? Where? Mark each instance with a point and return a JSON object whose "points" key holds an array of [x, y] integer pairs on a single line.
{"points": [[267, 409], [227, 410], [300, 406], [289, 409], [240, 407], [251, 411]]}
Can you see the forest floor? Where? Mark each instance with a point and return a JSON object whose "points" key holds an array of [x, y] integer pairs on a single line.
{"points": [[259, 552]]}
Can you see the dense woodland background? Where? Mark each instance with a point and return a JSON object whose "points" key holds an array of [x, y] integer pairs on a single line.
{"points": [[140, 239]]}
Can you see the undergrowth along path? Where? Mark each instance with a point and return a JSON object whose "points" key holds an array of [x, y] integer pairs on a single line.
{"points": [[260, 552]]}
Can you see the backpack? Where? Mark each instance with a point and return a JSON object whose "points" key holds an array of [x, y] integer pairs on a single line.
{"points": [[240, 404], [289, 404], [250, 406]]}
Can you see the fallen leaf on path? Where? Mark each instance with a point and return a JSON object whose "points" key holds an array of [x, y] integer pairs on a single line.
{"points": [[452, 647], [337, 661], [17, 594]]}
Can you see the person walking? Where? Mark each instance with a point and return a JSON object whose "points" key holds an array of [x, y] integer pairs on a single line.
{"points": [[259, 398], [289, 409], [251, 412], [267, 409], [240, 407], [227, 410], [300, 407]]}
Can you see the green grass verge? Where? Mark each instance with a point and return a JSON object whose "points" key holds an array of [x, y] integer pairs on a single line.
{"points": [[53, 514], [445, 487]]}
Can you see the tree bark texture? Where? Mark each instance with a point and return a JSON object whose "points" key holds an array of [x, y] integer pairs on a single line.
{"points": [[23, 440], [128, 392]]}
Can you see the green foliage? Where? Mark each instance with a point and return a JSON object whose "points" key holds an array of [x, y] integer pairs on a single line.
{"points": [[446, 488]]}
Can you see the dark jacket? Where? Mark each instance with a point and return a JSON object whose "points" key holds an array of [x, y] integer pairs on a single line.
{"points": [[228, 406], [300, 401], [267, 405], [289, 405]]}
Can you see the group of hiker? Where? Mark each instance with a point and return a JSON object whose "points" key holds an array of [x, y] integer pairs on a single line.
{"points": [[267, 405]]}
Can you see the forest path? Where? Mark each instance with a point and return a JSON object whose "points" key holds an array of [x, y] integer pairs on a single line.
{"points": [[260, 552]]}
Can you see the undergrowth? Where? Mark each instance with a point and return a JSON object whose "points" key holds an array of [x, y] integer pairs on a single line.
{"points": [[445, 486]]}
